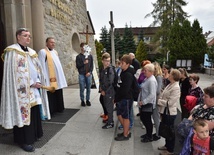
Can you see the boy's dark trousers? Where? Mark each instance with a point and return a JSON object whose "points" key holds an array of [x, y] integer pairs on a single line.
{"points": [[102, 103], [109, 105]]}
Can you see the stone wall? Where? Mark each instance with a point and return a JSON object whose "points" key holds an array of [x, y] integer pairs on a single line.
{"points": [[64, 20]]}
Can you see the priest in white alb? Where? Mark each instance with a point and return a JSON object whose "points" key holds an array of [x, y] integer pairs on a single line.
{"points": [[54, 74]]}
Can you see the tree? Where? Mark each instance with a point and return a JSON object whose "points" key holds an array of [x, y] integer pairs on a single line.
{"points": [[128, 41], [104, 38], [99, 48], [175, 42], [165, 13], [141, 53], [141, 36], [187, 42], [168, 11], [180, 42], [199, 43], [118, 43], [108, 46]]}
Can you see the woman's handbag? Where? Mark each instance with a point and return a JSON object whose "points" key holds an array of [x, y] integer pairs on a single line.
{"points": [[147, 107], [167, 131]]}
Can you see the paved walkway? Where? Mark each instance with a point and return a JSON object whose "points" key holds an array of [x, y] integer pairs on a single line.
{"points": [[83, 135]]}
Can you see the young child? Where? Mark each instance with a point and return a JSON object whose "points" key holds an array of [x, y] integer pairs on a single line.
{"points": [[201, 142]]}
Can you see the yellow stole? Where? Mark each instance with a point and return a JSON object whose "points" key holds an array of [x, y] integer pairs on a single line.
{"points": [[52, 74]]}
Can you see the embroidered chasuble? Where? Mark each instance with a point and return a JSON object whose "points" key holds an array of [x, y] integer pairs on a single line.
{"points": [[51, 69], [21, 70]]}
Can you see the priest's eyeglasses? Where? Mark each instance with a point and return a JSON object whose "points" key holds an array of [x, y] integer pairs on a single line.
{"points": [[26, 36]]}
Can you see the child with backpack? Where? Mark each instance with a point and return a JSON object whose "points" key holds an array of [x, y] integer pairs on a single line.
{"points": [[107, 88]]}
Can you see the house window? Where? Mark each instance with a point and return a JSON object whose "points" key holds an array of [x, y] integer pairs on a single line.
{"points": [[146, 39]]}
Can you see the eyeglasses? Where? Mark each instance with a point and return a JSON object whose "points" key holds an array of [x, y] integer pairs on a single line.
{"points": [[26, 36]]}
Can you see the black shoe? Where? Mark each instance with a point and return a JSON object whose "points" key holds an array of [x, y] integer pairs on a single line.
{"points": [[28, 148], [138, 114], [121, 138], [38, 139], [146, 139], [155, 137], [143, 136], [88, 103], [121, 134], [83, 104], [108, 126]]}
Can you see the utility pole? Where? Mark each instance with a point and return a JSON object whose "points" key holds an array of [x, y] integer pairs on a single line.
{"points": [[112, 39]]}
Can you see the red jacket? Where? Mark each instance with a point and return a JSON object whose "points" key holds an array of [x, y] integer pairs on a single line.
{"points": [[190, 102]]}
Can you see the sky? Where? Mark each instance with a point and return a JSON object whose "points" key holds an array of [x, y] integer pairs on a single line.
{"points": [[133, 12]]}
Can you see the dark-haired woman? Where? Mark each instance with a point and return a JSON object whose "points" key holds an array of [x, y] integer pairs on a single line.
{"points": [[166, 71], [185, 87]]}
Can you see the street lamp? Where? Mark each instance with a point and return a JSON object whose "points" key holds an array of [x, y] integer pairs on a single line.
{"points": [[167, 56], [103, 51]]}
